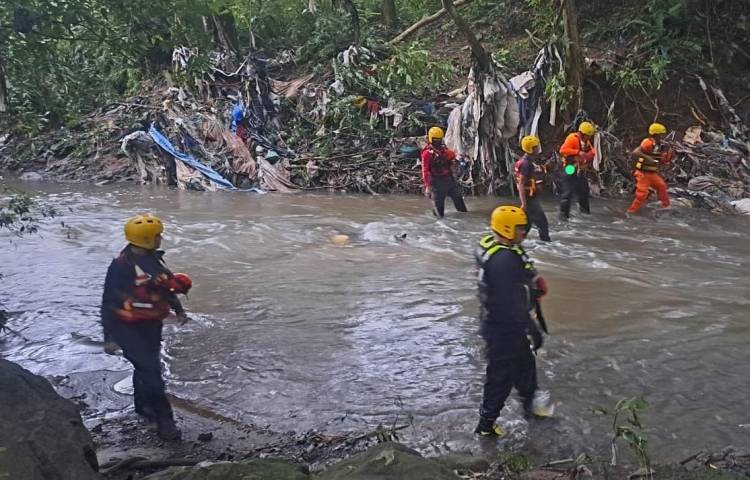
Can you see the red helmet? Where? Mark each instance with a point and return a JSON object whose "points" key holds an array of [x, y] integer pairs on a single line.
{"points": [[180, 283]]}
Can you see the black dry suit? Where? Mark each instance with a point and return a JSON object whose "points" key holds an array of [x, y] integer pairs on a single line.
{"points": [[506, 293], [140, 340]]}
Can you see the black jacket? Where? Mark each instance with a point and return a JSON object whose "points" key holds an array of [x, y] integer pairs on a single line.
{"points": [[504, 284]]}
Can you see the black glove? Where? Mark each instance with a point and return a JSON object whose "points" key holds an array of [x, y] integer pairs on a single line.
{"points": [[537, 339]]}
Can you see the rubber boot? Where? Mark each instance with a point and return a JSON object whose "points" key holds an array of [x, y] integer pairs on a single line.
{"points": [[167, 430], [146, 412], [488, 428]]}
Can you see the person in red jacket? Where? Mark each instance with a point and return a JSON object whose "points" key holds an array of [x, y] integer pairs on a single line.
{"points": [[650, 156], [577, 153], [439, 167], [529, 182], [139, 292]]}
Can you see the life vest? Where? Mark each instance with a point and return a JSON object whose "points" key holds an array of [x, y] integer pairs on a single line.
{"points": [[488, 246], [583, 147], [659, 151], [534, 182], [439, 163], [149, 299]]}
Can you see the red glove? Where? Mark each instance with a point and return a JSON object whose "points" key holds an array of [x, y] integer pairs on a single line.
{"points": [[666, 157], [179, 283]]}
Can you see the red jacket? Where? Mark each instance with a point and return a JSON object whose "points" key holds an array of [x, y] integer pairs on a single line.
{"points": [[575, 145], [436, 162]]}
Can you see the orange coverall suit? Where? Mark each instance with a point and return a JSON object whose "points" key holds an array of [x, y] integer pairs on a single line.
{"points": [[647, 176]]}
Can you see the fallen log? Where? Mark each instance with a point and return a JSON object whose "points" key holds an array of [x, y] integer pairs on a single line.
{"points": [[425, 21]]}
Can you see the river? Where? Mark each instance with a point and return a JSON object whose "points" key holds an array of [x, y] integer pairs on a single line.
{"points": [[293, 331]]}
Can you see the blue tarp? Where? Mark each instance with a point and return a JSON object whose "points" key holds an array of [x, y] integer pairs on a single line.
{"points": [[238, 113], [192, 162]]}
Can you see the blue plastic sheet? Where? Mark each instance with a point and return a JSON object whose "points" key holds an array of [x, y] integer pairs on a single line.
{"points": [[192, 162], [238, 114]]}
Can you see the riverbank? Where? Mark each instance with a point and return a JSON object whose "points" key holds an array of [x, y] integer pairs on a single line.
{"points": [[215, 447]]}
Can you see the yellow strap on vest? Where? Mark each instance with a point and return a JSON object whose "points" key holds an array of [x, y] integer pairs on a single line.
{"points": [[491, 247]]}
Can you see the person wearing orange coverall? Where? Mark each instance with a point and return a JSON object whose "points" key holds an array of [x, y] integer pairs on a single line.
{"points": [[650, 156]]}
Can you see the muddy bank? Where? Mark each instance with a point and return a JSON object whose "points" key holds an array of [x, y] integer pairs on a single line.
{"points": [[226, 449], [126, 442]]}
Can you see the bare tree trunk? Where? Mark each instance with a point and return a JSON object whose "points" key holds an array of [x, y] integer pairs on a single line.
{"points": [[354, 14], [576, 68], [477, 49], [390, 14], [226, 32], [4, 93]]}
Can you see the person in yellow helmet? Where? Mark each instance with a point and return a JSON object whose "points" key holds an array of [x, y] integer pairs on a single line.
{"points": [[509, 285], [439, 170], [529, 181], [577, 152], [139, 292], [651, 155]]}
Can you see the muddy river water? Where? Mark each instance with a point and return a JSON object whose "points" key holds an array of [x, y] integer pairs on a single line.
{"points": [[293, 331]]}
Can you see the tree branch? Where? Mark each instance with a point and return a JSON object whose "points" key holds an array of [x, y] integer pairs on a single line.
{"points": [[425, 21], [477, 49]]}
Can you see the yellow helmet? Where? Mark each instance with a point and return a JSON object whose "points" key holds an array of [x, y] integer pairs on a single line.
{"points": [[142, 231], [506, 218], [529, 142], [587, 128], [657, 129], [435, 133]]}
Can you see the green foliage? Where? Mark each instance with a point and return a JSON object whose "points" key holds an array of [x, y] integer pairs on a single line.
{"points": [[409, 71], [515, 463], [20, 214], [65, 57], [412, 70], [545, 17], [650, 74], [331, 33], [630, 429], [557, 87], [503, 57]]}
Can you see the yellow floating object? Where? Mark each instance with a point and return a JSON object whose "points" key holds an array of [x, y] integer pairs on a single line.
{"points": [[340, 239], [360, 101]]}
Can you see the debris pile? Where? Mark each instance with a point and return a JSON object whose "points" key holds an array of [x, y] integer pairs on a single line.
{"points": [[344, 131]]}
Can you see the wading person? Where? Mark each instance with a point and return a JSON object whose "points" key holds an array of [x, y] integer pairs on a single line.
{"points": [[578, 153], [139, 292], [529, 181], [439, 169], [650, 156], [508, 286]]}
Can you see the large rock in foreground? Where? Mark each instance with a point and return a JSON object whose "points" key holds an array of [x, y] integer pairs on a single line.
{"points": [[262, 469], [42, 436], [388, 461]]}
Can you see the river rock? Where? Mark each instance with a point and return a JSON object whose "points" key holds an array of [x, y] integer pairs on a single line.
{"points": [[742, 206], [260, 469], [463, 463], [42, 436], [388, 461], [31, 177]]}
